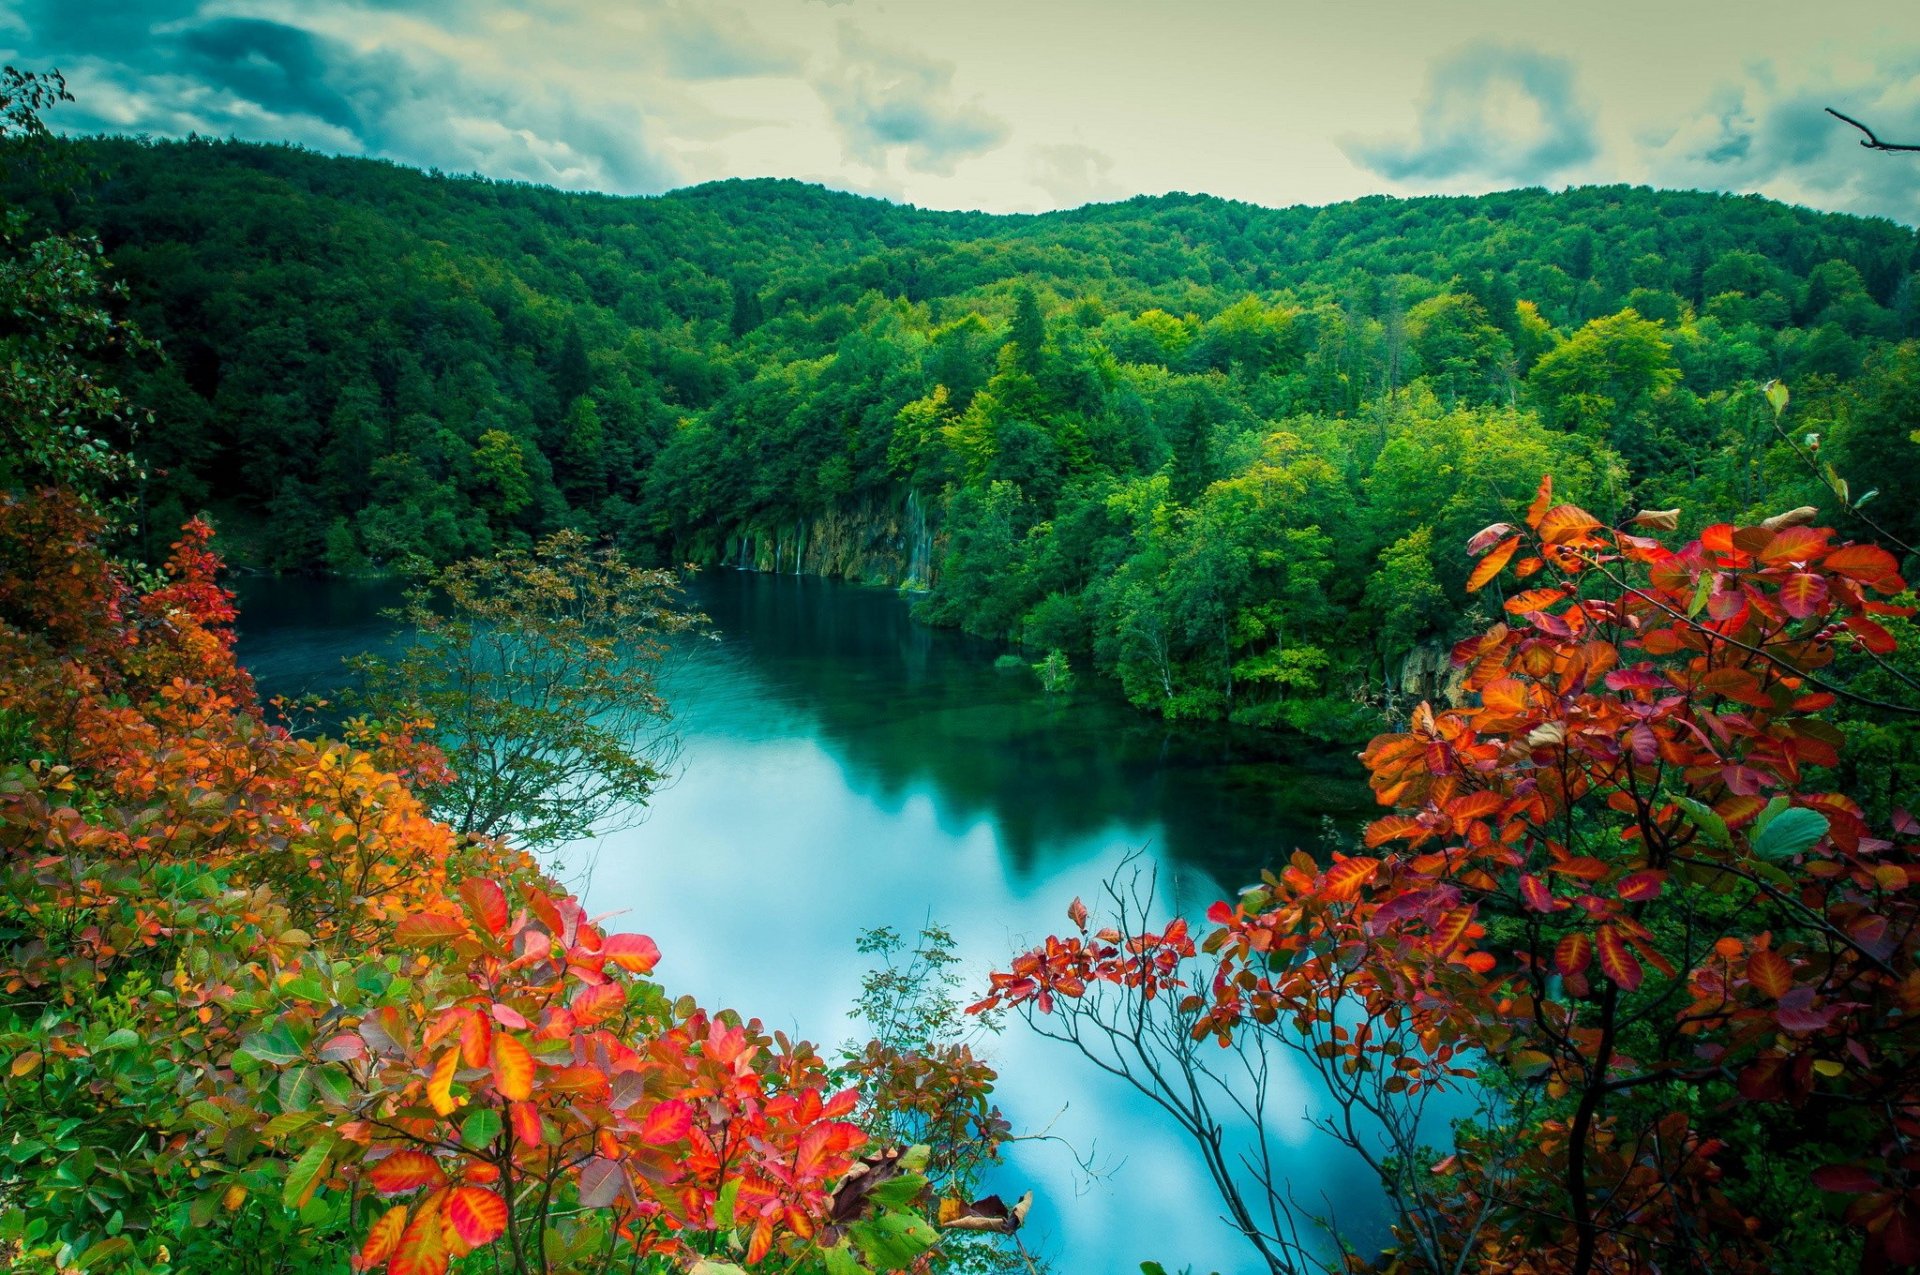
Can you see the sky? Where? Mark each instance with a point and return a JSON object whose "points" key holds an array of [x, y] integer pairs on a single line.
{"points": [[1026, 105]]}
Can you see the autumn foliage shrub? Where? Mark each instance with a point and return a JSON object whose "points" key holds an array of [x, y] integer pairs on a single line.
{"points": [[260, 1012], [1619, 900]]}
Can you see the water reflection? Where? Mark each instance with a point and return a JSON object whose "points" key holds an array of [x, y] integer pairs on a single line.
{"points": [[845, 767]]}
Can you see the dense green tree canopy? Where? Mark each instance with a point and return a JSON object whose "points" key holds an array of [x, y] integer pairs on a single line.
{"points": [[1227, 453]]}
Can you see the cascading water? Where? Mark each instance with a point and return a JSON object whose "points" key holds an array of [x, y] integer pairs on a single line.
{"points": [[919, 546]]}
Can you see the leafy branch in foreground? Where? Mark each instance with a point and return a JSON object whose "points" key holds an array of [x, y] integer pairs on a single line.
{"points": [[1619, 906], [537, 671]]}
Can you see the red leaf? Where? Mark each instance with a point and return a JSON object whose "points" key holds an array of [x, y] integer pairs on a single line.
{"points": [[425, 929], [1572, 953], [1077, 913], [405, 1171], [1868, 564], [1802, 593], [1871, 635], [1493, 564], [486, 903], [1618, 963], [525, 1118], [512, 1068], [1769, 971], [1488, 536], [669, 1121], [634, 952], [1639, 886], [477, 1215], [1845, 1179], [1538, 897]]}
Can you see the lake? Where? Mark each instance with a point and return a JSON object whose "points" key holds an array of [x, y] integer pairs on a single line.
{"points": [[845, 767]]}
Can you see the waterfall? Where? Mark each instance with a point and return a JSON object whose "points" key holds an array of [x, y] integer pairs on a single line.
{"points": [[919, 546], [799, 544]]}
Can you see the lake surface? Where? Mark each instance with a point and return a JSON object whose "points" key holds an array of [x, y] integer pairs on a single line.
{"points": [[845, 767]]}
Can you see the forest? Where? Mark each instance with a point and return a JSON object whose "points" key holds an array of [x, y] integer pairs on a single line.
{"points": [[1218, 453], [1592, 512]]}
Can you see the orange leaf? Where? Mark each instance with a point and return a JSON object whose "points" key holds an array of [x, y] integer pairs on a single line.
{"points": [[1619, 963], [423, 1245], [1452, 928], [1493, 564], [477, 1215], [425, 929], [1541, 500], [1795, 544], [486, 903], [669, 1121], [440, 1084], [405, 1171], [476, 1039], [1344, 879], [512, 1068], [382, 1239], [1394, 828], [590, 1081], [634, 952], [1564, 524], [1533, 600], [1770, 972]]}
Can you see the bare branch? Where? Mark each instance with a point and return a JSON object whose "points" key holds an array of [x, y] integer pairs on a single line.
{"points": [[1871, 142]]}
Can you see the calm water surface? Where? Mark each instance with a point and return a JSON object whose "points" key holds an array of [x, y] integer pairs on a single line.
{"points": [[845, 767]]}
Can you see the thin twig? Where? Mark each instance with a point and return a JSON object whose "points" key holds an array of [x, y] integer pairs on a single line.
{"points": [[1871, 142]]}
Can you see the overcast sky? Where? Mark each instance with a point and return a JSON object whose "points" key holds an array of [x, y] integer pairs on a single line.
{"points": [[1020, 105]]}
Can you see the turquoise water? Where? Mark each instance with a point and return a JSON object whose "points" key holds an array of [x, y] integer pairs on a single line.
{"points": [[844, 767]]}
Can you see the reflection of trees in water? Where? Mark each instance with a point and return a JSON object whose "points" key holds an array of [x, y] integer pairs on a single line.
{"points": [[906, 706]]}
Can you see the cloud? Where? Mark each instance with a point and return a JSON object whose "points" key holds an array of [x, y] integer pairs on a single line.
{"points": [[1491, 111], [887, 101], [710, 45], [1073, 174], [1771, 131], [159, 67]]}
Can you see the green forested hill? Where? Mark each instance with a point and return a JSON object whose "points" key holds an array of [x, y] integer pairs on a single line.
{"points": [[1226, 453]]}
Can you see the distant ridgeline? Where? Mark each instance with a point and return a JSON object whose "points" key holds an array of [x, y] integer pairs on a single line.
{"points": [[1228, 454]]}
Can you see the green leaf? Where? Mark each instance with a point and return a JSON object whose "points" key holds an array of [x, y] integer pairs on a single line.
{"points": [[288, 1122], [275, 1045], [1701, 816], [118, 1246], [898, 1192], [724, 1206], [1777, 396], [125, 1038], [1788, 833], [892, 1240], [306, 1173], [841, 1261], [481, 1127]]}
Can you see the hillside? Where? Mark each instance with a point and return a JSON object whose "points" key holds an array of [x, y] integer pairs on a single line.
{"points": [[1226, 453]]}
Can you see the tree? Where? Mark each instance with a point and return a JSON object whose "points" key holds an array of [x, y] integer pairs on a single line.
{"points": [[1616, 895], [537, 669], [1028, 334]]}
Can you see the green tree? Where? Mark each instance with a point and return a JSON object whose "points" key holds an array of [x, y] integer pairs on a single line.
{"points": [[538, 671]]}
